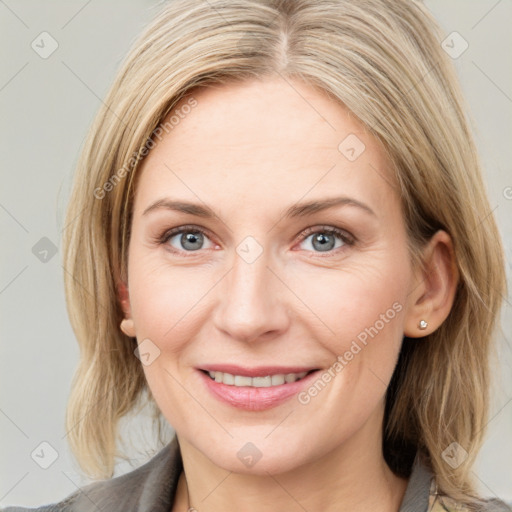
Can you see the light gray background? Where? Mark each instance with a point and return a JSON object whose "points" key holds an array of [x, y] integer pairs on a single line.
{"points": [[47, 106]]}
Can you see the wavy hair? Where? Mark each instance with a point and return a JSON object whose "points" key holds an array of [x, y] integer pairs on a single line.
{"points": [[383, 60]]}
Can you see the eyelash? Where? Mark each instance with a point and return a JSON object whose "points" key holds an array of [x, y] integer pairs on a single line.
{"points": [[347, 239]]}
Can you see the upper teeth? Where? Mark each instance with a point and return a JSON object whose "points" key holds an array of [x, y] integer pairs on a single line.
{"points": [[257, 382]]}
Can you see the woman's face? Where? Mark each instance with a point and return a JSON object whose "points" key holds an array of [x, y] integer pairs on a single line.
{"points": [[268, 241]]}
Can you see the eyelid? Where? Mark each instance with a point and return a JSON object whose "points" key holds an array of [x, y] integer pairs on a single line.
{"points": [[348, 237], [168, 233]]}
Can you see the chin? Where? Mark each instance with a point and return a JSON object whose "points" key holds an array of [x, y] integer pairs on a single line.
{"points": [[258, 457], [270, 464]]}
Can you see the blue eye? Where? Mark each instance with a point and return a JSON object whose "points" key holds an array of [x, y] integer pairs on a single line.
{"points": [[326, 238], [187, 239]]}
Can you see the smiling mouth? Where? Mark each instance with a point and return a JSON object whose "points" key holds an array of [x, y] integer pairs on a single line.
{"points": [[266, 381]]}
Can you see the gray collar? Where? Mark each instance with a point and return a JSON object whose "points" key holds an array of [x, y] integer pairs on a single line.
{"points": [[417, 494]]}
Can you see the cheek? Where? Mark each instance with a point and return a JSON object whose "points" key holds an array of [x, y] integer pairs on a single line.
{"points": [[166, 300], [362, 311], [166, 308], [359, 301]]}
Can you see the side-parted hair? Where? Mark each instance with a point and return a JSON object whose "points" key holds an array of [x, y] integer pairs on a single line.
{"points": [[383, 60]]}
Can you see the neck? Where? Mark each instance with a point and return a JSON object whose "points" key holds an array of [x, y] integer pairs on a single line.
{"points": [[352, 477]]}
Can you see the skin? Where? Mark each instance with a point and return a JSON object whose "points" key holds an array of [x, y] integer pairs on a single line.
{"points": [[249, 151]]}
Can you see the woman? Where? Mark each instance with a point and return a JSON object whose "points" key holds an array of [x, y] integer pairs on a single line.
{"points": [[282, 241]]}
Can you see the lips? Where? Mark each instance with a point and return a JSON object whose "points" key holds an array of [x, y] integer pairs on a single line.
{"points": [[255, 389]]}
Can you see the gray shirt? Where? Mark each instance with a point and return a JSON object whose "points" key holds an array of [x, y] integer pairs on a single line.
{"points": [[152, 486]]}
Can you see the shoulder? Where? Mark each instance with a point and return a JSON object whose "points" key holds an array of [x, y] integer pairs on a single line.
{"points": [[439, 503], [422, 495], [150, 487], [445, 504]]}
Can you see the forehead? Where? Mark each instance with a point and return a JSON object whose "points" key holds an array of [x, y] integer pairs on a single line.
{"points": [[276, 137]]}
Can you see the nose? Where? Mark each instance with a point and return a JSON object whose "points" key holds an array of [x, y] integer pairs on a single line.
{"points": [[252, 305]]}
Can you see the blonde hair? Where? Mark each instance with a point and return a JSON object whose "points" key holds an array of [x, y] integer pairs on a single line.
{"points": [[383, 60]]}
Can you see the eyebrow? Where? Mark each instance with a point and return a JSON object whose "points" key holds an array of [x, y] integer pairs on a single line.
{"points": [[296, 210]]}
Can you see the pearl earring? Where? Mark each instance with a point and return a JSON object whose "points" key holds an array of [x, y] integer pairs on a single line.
{"points": [[127, 326], [423, 325]]}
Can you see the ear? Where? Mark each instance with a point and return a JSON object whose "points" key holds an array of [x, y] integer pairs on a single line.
{"points": [[433, 289], [127, 325]]}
